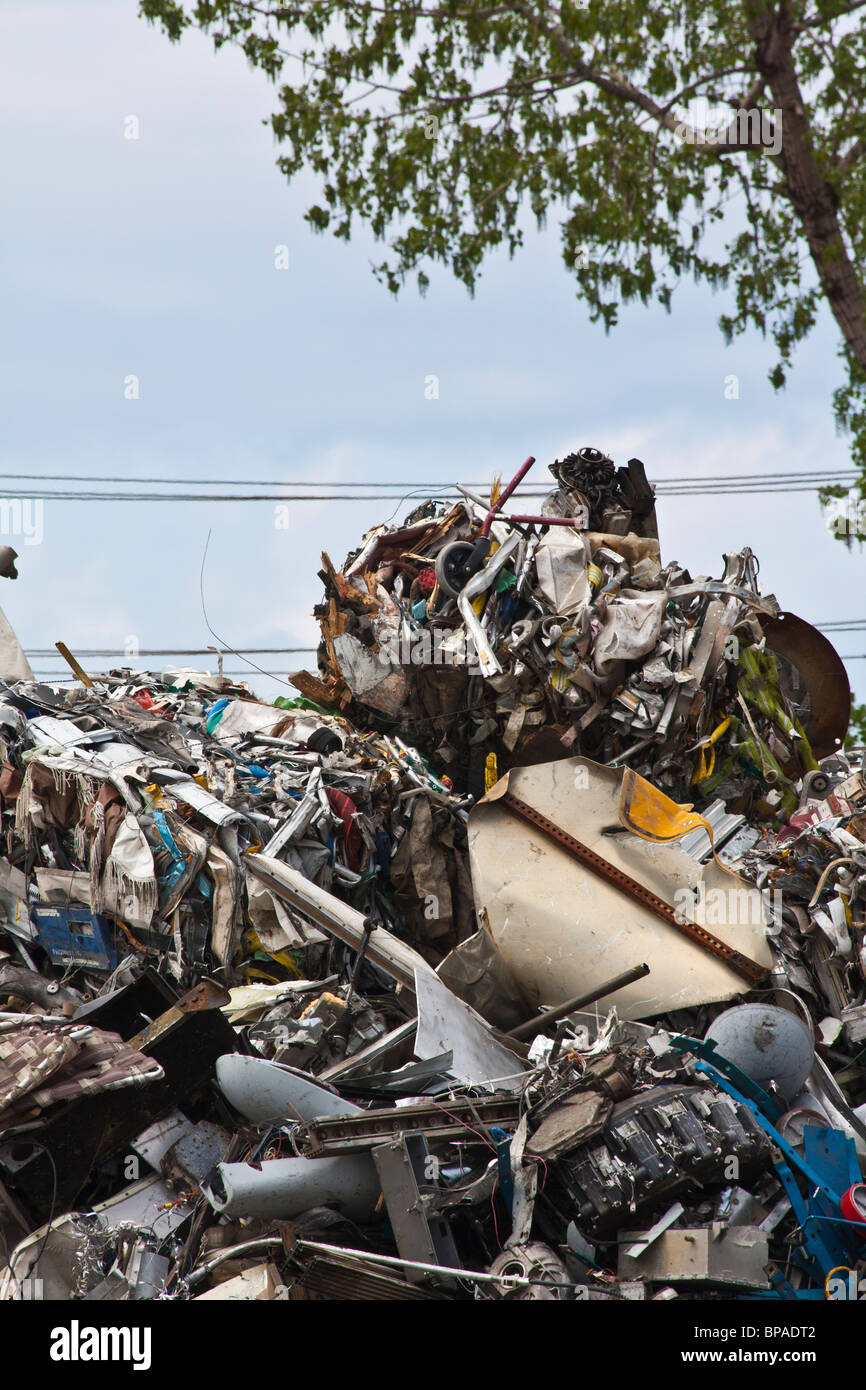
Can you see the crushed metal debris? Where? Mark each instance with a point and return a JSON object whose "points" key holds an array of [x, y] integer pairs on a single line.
{"points": [[520, 955]]}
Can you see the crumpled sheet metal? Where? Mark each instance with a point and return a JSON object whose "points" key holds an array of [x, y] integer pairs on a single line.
{"points": [[560, 564], [563, 930], [149, 795], [630, 630]]}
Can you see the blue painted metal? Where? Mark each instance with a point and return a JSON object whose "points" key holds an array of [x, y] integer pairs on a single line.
{"points": [[706, 1050], [828, 1162], [503, 1164]]}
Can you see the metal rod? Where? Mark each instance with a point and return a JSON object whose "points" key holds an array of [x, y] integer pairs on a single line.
{"points": [[76, 667], [535, 1025], [511, 1280], [575, 521], [504, 496]]}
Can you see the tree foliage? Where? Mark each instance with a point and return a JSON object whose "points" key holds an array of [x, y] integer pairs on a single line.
{"points": [[856, 736], [669, 138]]}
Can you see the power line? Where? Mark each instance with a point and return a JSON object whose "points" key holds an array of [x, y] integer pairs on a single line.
{"points": [[42, 652], [419, 490], [203, 497], [51, 653], [346, 491], [782, 476], [224, 483], [62, 677]]}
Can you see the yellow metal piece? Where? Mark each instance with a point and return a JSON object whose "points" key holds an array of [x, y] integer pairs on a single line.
{"points": [[491, 771], [326, 998], [158, 797], [595, 577], [647, 812], [707, 753], [70, 659], [252, 973]]}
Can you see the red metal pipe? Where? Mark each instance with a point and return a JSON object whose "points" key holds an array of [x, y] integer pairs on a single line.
{"points": [[504, 496], [549, 520]]}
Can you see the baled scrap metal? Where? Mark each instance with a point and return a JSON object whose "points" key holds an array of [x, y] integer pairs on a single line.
{"points": [[577, 635]]}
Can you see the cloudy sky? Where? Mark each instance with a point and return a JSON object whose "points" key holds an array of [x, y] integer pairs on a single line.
{"points": [[154, 258]]}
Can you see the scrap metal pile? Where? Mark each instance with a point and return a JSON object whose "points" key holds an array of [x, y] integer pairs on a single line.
{"points": [[480, 636], [522, 955]]}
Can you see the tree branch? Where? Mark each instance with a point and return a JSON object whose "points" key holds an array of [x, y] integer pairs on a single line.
{"points": [[820, 19], [844, 165]]}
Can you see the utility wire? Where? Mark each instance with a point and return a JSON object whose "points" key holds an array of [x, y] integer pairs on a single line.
{"points": [[780, 477], [421, 491], [42, 652], [215, 635], [837, 625], [62, 676], [722, 484]]}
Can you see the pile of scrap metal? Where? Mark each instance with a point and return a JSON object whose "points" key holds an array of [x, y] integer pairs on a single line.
{"points": [[494, 641], [551, 985]]}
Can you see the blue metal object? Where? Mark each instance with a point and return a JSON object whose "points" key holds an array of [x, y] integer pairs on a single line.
{"points": [[706, 1050], [179, 860], [212, 714], [828, 1162], [75, 936], [822, 1250], [503, 1164]]}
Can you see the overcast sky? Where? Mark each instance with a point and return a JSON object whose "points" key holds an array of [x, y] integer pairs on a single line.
{"points": [[155, 258]]}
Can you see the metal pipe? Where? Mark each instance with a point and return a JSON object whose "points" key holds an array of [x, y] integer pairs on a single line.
{"points": [[284, 1187], [535, 1025], [504, 496], [473, 496], [516, 1281], [246, 1247], [834, 864], [478, 584], [576, 521]]}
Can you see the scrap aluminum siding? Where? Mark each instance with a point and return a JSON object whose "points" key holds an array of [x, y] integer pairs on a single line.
{"points": [[564, 930]]}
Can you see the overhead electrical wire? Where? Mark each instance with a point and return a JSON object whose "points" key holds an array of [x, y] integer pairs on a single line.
{"points": [[345, 491], [68, 676], [781, 477], [420, 490], [41, 652]]}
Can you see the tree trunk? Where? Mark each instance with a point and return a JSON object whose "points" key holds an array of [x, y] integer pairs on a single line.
{"points": [[812, 197]]}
